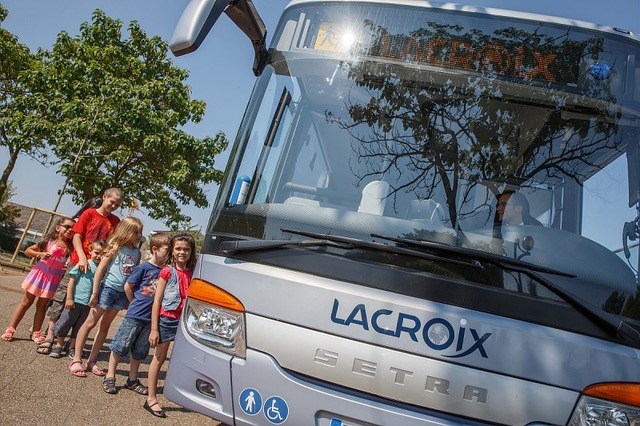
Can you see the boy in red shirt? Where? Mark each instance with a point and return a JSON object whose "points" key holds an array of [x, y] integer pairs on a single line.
{"points": [[95, 224]]}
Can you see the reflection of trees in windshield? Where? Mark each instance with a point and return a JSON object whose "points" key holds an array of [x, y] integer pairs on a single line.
{"points": [[433, 133], [627, 304], [544, 54]]}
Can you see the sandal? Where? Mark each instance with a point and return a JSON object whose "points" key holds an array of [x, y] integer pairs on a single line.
{"points": [[44, 348], [8, 334], [137, 387], [158, 413], [65, 348], [93, 367], [37, 337], [77, 371], [109, 385], [56, 352]]}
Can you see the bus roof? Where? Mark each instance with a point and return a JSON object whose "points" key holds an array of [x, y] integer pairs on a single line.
{"points": [[577, 13]]}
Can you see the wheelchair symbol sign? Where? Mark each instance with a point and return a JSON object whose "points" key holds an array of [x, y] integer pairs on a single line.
{"points": [[250, 401], [276, 410]]}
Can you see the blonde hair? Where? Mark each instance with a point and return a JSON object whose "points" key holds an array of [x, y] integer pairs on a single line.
{"points": [[124, 234], [113, 192]]}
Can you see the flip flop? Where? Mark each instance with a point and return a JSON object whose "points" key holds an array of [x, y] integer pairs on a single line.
{"points": [[79, 371], [44, 348]]}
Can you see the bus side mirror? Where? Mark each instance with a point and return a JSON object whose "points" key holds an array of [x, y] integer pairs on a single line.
{"points": [[199, 17], [633, 173]]}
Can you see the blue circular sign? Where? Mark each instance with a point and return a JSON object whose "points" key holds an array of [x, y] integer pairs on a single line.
{"points": [[250, 401], [276, 410]]}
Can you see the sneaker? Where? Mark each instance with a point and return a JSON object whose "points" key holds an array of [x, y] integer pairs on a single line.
{"points": [[56, 352], [72, 353]]}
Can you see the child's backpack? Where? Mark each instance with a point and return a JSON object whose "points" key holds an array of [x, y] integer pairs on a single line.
{"points": [[172, 296]]}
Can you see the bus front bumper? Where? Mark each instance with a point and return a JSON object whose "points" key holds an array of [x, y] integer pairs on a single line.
{"points": [[257, 391]]}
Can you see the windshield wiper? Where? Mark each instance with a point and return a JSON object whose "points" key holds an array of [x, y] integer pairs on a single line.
{"points": [[608, 322], [475, 254], [235, 246], [356, 243]]}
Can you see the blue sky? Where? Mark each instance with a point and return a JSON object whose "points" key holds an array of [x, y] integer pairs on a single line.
{"points": [[220, 71]]}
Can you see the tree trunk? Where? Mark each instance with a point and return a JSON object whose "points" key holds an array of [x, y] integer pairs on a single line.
{"points": [[4, 181]]}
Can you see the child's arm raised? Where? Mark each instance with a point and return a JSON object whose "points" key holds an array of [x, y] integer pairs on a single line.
{"points": [[70, 304], [154, 335], [97, 279], [36, 251]]}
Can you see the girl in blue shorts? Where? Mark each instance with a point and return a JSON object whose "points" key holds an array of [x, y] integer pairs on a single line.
{"points": [[108, 296], [173, 284]]}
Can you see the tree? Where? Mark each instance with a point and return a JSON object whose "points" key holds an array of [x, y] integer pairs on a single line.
{"points": [[18, 126], [114, 109], [8, 212]]}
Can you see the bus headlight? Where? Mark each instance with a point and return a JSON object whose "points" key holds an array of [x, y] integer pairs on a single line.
{"points": [[596, 411], [216, 327]]}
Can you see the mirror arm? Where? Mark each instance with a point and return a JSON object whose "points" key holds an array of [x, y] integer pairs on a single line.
{"points": [[244, 14]]}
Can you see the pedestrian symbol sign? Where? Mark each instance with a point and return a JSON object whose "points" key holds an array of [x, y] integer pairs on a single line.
{"points": [[276, 410], [250, 401]]}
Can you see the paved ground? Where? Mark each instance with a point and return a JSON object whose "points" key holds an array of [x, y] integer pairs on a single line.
{"points": [[37, 389]]}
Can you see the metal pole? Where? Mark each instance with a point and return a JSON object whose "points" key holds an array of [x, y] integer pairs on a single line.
{"points": [[64, 186], [73, 168]]}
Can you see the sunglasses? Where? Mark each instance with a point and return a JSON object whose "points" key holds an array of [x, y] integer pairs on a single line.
{"points": [[66, 226]]}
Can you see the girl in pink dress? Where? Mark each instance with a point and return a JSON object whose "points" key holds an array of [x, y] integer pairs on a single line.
{"points": [[43, 279]]}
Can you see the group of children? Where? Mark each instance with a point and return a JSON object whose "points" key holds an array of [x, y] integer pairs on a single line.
{"points": [[102, 257]]}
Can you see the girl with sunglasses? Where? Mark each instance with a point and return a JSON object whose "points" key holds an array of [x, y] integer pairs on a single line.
{"points": [[43, 279]]}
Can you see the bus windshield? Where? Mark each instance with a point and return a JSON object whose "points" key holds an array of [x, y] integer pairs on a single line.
{"points": [[458, 128]]}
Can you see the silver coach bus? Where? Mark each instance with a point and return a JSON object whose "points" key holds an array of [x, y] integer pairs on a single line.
{"points": [[429, 216]]}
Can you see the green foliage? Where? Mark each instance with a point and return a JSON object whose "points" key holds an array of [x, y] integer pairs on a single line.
{"points": [[8, 213], [112, 110]]}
